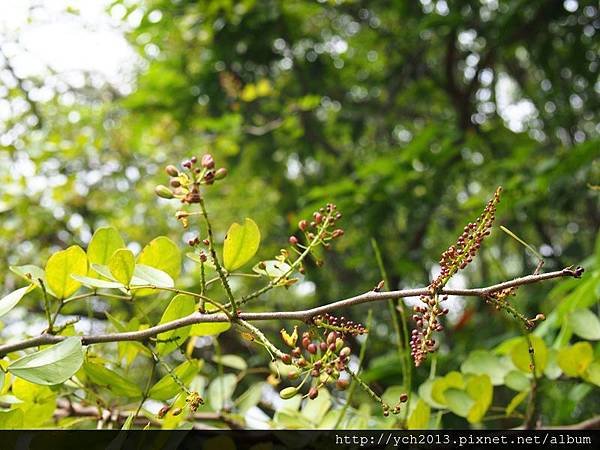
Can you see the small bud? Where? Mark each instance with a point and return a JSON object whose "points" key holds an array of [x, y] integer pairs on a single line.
{"points": [[288, 392], [163, 191], [220, 173], [193, 160], [313, 393], [262, 265], [318, 217], [339, 343], [342, 385], [403, 398], [293, 240], [312, 348], [286, 359], [303, 225], [177, 411], [207, 161], [172, 170], [175, 183], [162, 412], [345, 352]]}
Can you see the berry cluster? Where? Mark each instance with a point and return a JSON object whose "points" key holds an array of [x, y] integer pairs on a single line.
{"points": [[320, 230], [185, 185], [339, 324], [319, 358], [456, 258]]}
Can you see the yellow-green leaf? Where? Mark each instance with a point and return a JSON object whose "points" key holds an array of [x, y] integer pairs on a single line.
{"points": [[516, 401], [241, 244], [163, 254], [180, 306], [52, 365], [60, 267], [479, 389], [121, 265], [209, 328], [167, 388], [104, 243], [111, 380], [575, 359], [11, 300], [521, 359], [419, 418]]}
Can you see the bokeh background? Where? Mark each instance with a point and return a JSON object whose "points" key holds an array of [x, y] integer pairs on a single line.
{"points": [[406, 114]]}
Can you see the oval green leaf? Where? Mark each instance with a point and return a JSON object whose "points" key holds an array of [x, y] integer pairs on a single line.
{"points": [[575, 359], [241, 244], [209, 328], [166, 388], [11, 300], [60, 267], [585, 324], [220, 390], [163, 254], [53, 365], [145, 275], [419, 417], [480, 389], [520, 355], [104, 243], [121, 265], [30, 273], [180, 306], [111, 380]]}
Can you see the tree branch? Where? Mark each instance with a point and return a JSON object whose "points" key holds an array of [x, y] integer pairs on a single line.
{"points": [[303, 315]]}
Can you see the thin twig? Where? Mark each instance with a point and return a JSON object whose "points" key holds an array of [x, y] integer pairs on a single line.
{"points": [[303, 315]]}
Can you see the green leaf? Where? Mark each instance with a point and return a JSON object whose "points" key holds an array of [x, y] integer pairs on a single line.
{"points": [[60, 267], [233, 361], [517, 381], [53, 365], [209, 328], [146, 275], [592, 373], [97, 282], [419, 418], [30, 273], [458, 401], [104, 243], [575, 359], [11, 300], [425, 393], [482, 362], [162, 254], [103, 271], [12, 419], [121, 265], [552, 370], [166, 388], [220, 390], [241, 244], [128, 422], [117, 384], [250, 398], [180, 306], [516, 401], [520, 355], [451, 380], [585, 324], [480, 389]]}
